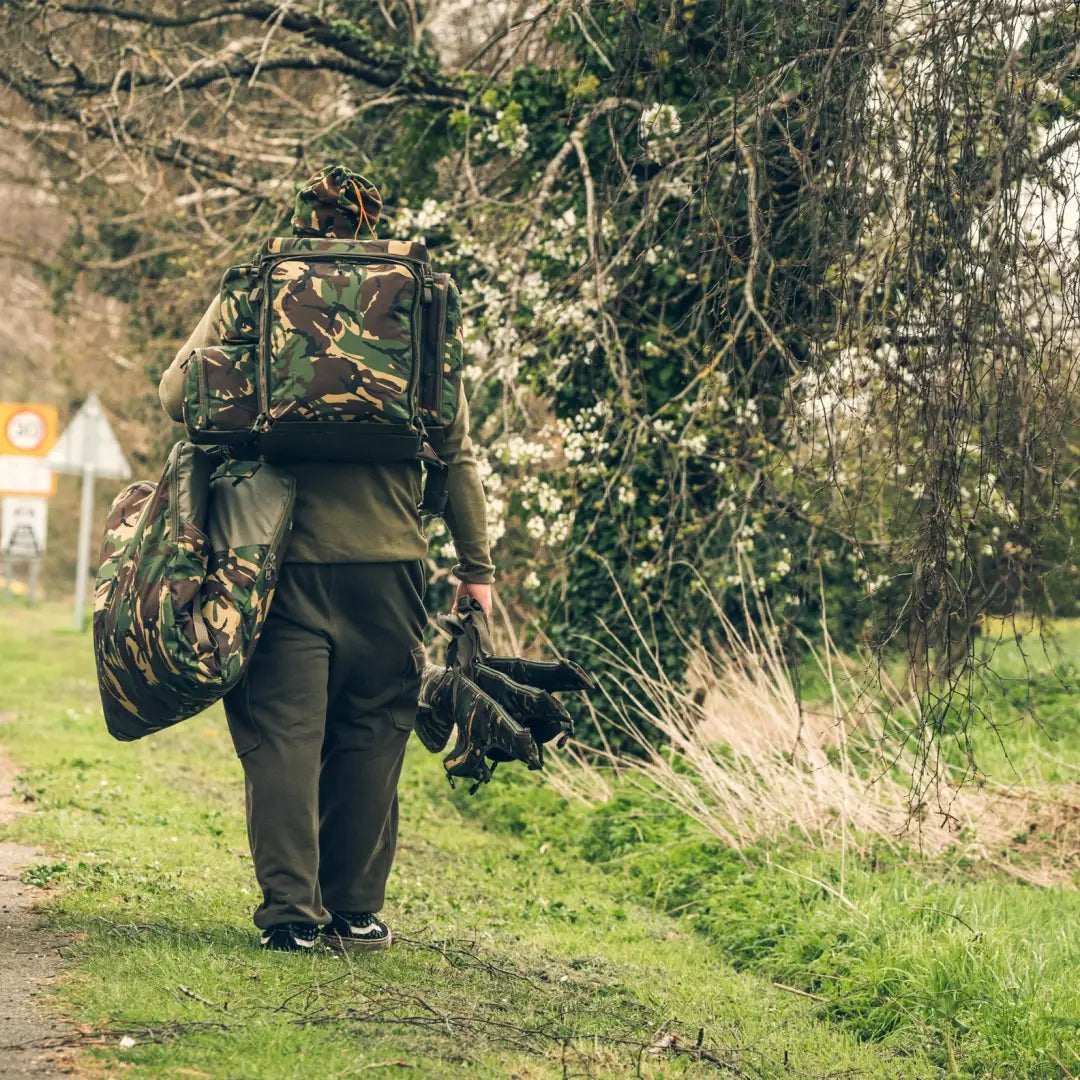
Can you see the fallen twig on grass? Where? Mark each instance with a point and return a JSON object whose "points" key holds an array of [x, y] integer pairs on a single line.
{"points": [[156, 1033], [197, 997], [355, 997], [534, 1040], [446, 950], [801, 993]]}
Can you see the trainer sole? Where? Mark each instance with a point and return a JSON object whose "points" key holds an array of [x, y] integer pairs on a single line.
{"points": [[339, 943]]}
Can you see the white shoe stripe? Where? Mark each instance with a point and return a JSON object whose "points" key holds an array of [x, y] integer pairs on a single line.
{"points": [[374, 930], [265, 940]]}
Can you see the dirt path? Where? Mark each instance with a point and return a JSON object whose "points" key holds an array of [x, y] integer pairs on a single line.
{"points": [[29, 958]]}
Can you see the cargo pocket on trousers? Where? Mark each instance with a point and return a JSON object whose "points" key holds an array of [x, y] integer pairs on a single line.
{"points": [[403, 711], [245, 733]]}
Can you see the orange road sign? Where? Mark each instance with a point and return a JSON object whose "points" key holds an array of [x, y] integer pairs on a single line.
{"points": [[27, 429]]}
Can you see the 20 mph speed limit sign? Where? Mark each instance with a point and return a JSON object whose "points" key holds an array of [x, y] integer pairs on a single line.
{"points": [[26, 428]]}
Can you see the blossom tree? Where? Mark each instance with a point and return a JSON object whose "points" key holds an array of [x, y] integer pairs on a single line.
{"points": [[775, 298]]}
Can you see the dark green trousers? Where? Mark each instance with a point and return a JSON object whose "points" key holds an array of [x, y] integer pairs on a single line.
{"points": [[320, 722]]}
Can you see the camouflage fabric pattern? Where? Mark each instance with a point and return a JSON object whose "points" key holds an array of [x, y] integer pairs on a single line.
{"points": [[220, 395], [341, 340], [174, 621], [238, 317], [124, 518], [502, 707], [320, 329], [336, 202]]}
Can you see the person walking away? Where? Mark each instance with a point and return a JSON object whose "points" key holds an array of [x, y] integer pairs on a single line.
{"points": [[321, 718]]}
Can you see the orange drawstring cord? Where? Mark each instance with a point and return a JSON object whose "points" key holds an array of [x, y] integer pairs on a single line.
{"points": [[364, 219]]}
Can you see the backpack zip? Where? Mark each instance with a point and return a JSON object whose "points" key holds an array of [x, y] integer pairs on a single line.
{"points": [[174, 506], [204, 395], [418, 268]]}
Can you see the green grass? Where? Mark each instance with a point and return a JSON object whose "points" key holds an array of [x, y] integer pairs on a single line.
{"points": [[523, 952], [1024, 691], [951, 960], [1030, 694]]}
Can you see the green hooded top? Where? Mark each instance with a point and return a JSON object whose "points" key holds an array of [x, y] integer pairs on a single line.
{"points": [[362, 513]]}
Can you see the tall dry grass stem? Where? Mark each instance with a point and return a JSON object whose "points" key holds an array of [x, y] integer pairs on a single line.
{"points": [[732, 745]]}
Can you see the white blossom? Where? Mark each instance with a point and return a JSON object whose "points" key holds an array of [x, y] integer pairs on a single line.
{"points": [[659, 121]]}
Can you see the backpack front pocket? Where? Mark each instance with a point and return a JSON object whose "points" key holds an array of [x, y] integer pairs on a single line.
{"points": [[238, 317], [341, 340]]}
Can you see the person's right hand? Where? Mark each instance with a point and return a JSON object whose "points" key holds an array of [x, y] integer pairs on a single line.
{"points": [[480, 593]]}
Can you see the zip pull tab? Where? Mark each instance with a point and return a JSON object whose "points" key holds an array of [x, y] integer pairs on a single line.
{"points": [[255, 296], [428, 280]]}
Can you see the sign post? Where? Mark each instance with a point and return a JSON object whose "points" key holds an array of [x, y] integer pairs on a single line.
{"points": [[88, 448]]}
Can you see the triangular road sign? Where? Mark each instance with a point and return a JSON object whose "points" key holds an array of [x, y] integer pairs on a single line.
{"points": [[89, 440]]}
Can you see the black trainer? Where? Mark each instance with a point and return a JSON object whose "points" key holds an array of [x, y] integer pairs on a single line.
{"points": [[356, 930], [290, 937]]}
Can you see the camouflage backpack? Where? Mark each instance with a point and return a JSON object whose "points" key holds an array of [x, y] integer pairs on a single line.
{"points": [[331, 350], [188, 568]]}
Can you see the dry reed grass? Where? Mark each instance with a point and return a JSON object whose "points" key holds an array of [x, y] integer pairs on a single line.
{"points": [[742, 755]]}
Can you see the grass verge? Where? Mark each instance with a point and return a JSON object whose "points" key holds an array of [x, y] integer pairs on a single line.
{"points": [[518, 958], [952, 958]]}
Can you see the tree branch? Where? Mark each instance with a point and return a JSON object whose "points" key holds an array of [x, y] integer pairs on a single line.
{"points": [[152, 18], [216, 69], [168, 151], [387, 63]]}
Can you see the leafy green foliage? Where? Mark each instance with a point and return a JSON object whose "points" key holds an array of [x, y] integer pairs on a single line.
{"points": [[42, 875], [753, 295]]}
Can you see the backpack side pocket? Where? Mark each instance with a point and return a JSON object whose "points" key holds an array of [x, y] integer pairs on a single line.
{"points": [[453, 355], [238, 316], [220, 400], [434, 347]]}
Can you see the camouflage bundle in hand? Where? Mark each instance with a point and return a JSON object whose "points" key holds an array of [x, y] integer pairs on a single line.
{"points": [[502, 706], [188, 568]]}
